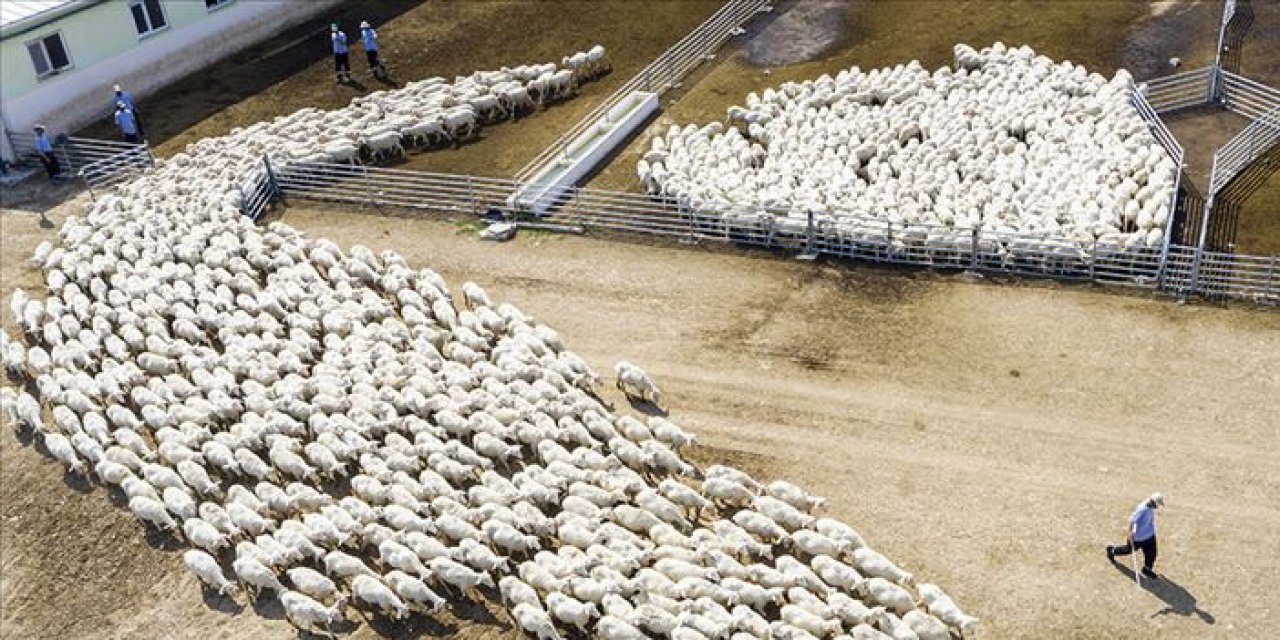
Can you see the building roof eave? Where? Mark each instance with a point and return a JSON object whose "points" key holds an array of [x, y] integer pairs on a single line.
{"points": [[37, 20]]}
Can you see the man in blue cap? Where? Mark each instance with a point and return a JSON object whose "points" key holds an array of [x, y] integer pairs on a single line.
{"points": [[341, 61], [1142, 535], [121, 95], [44, 150], [370, 39], [127, 122]]}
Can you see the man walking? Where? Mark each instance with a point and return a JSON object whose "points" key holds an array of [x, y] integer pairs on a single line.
{"points": [[128, 124], [44, 149], [341, 61], [121, 95], [370, 39], [1142, 535]]}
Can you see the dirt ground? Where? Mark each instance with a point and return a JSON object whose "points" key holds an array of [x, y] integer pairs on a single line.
{"points": [[420, 40], [990, 438]]}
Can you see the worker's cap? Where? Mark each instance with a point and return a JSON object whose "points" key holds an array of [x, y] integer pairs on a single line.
{"points": [[364, 24], [333, 26], [1157, 499], [118, 89], [39, 127]]}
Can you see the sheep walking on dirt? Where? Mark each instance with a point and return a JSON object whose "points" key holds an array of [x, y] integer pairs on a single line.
{"points": [[634, 382]]}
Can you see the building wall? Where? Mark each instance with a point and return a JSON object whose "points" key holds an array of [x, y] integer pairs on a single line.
{"points": [[105, 49]]}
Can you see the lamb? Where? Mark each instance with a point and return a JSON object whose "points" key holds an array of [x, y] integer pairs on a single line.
{"points": [[153, 513], [60, 448], [802, 618], [534, 620], [888, 594], [614, 628], [308, 615], [925, 626], [794, 496], [383, 144], [414, 592], [571, 611], [458, 576], [873, 564], [256, 576], [634, 382], [515, 591], [944, 608], [206, 568], [369, 590], [894, 627], [204, 535]]}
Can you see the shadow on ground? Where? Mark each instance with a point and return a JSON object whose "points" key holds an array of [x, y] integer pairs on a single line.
{"points": [[1176, 598]]}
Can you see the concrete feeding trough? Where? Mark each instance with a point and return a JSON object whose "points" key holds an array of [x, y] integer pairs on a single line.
{"points": [[547, 188]]}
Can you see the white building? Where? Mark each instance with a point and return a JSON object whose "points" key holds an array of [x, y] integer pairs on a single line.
{"points": [[60, 58]]}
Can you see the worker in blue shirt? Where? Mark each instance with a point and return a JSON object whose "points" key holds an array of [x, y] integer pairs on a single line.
{"points": [[341, 62], [370, 39], [1142, 535], [121, 95], [127, 123], [44, 149]]}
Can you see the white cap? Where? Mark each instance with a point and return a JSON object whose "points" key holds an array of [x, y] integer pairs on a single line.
{"points": [[364, 24], [1157, 499], [117, 88], [38, 127]]}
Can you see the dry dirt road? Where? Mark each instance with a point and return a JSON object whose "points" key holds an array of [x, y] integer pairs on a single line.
{"points": [[989, 438]]}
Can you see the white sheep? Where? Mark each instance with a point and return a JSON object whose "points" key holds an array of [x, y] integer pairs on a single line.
{"points": [[307, 614], [532, 619], [206, 568], [370, 591], [633, 381]]}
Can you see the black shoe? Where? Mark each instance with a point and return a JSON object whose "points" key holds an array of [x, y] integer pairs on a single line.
{"points": [[1149, 574], [1111, 553]]}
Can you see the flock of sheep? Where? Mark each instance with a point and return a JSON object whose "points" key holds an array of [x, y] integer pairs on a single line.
{"points": [[1009, 143], [426, 113], [340, 428]]}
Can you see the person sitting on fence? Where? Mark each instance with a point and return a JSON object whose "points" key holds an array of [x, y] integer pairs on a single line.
{"points": [[370, 38], [127, 122], [121, 95], [44, 150], [341, 59]]}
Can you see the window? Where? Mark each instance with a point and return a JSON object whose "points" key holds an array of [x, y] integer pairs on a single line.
{"points": [[147, 16], [214, 4], [49, 55]]}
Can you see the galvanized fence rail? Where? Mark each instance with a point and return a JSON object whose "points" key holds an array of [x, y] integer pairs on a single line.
{"points": [[1256, 139], [1184, 90], [661, 74], [100, 163], [832, 234]]}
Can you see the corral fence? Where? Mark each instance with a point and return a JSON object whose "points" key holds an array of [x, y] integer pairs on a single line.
{"points": [[99, 163], [663, 73], [808, 234]]}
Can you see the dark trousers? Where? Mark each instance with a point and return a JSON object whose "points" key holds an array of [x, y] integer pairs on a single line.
{"points": [[373, 59], [131, 137], [1148, 547], [51, 165], [342, 63]]}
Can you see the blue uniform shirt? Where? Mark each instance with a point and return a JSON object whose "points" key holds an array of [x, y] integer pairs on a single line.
{"points": [[339, 42], [128, 124], [124, 97], [370, 39], [1143, 522], [43, 144]]}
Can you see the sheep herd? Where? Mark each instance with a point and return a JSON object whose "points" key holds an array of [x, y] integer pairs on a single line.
{"points": [[341, 429], [1009, 143]]}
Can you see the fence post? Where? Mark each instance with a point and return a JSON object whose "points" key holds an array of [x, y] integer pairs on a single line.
{"points": [[471, 193], [272, 182], [888, 240], [1272, 290], [368, 186], [1093, 262], [973, 249]]}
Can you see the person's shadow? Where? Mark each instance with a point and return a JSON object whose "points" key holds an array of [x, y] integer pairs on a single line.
{"points": [[1177, 599]]}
